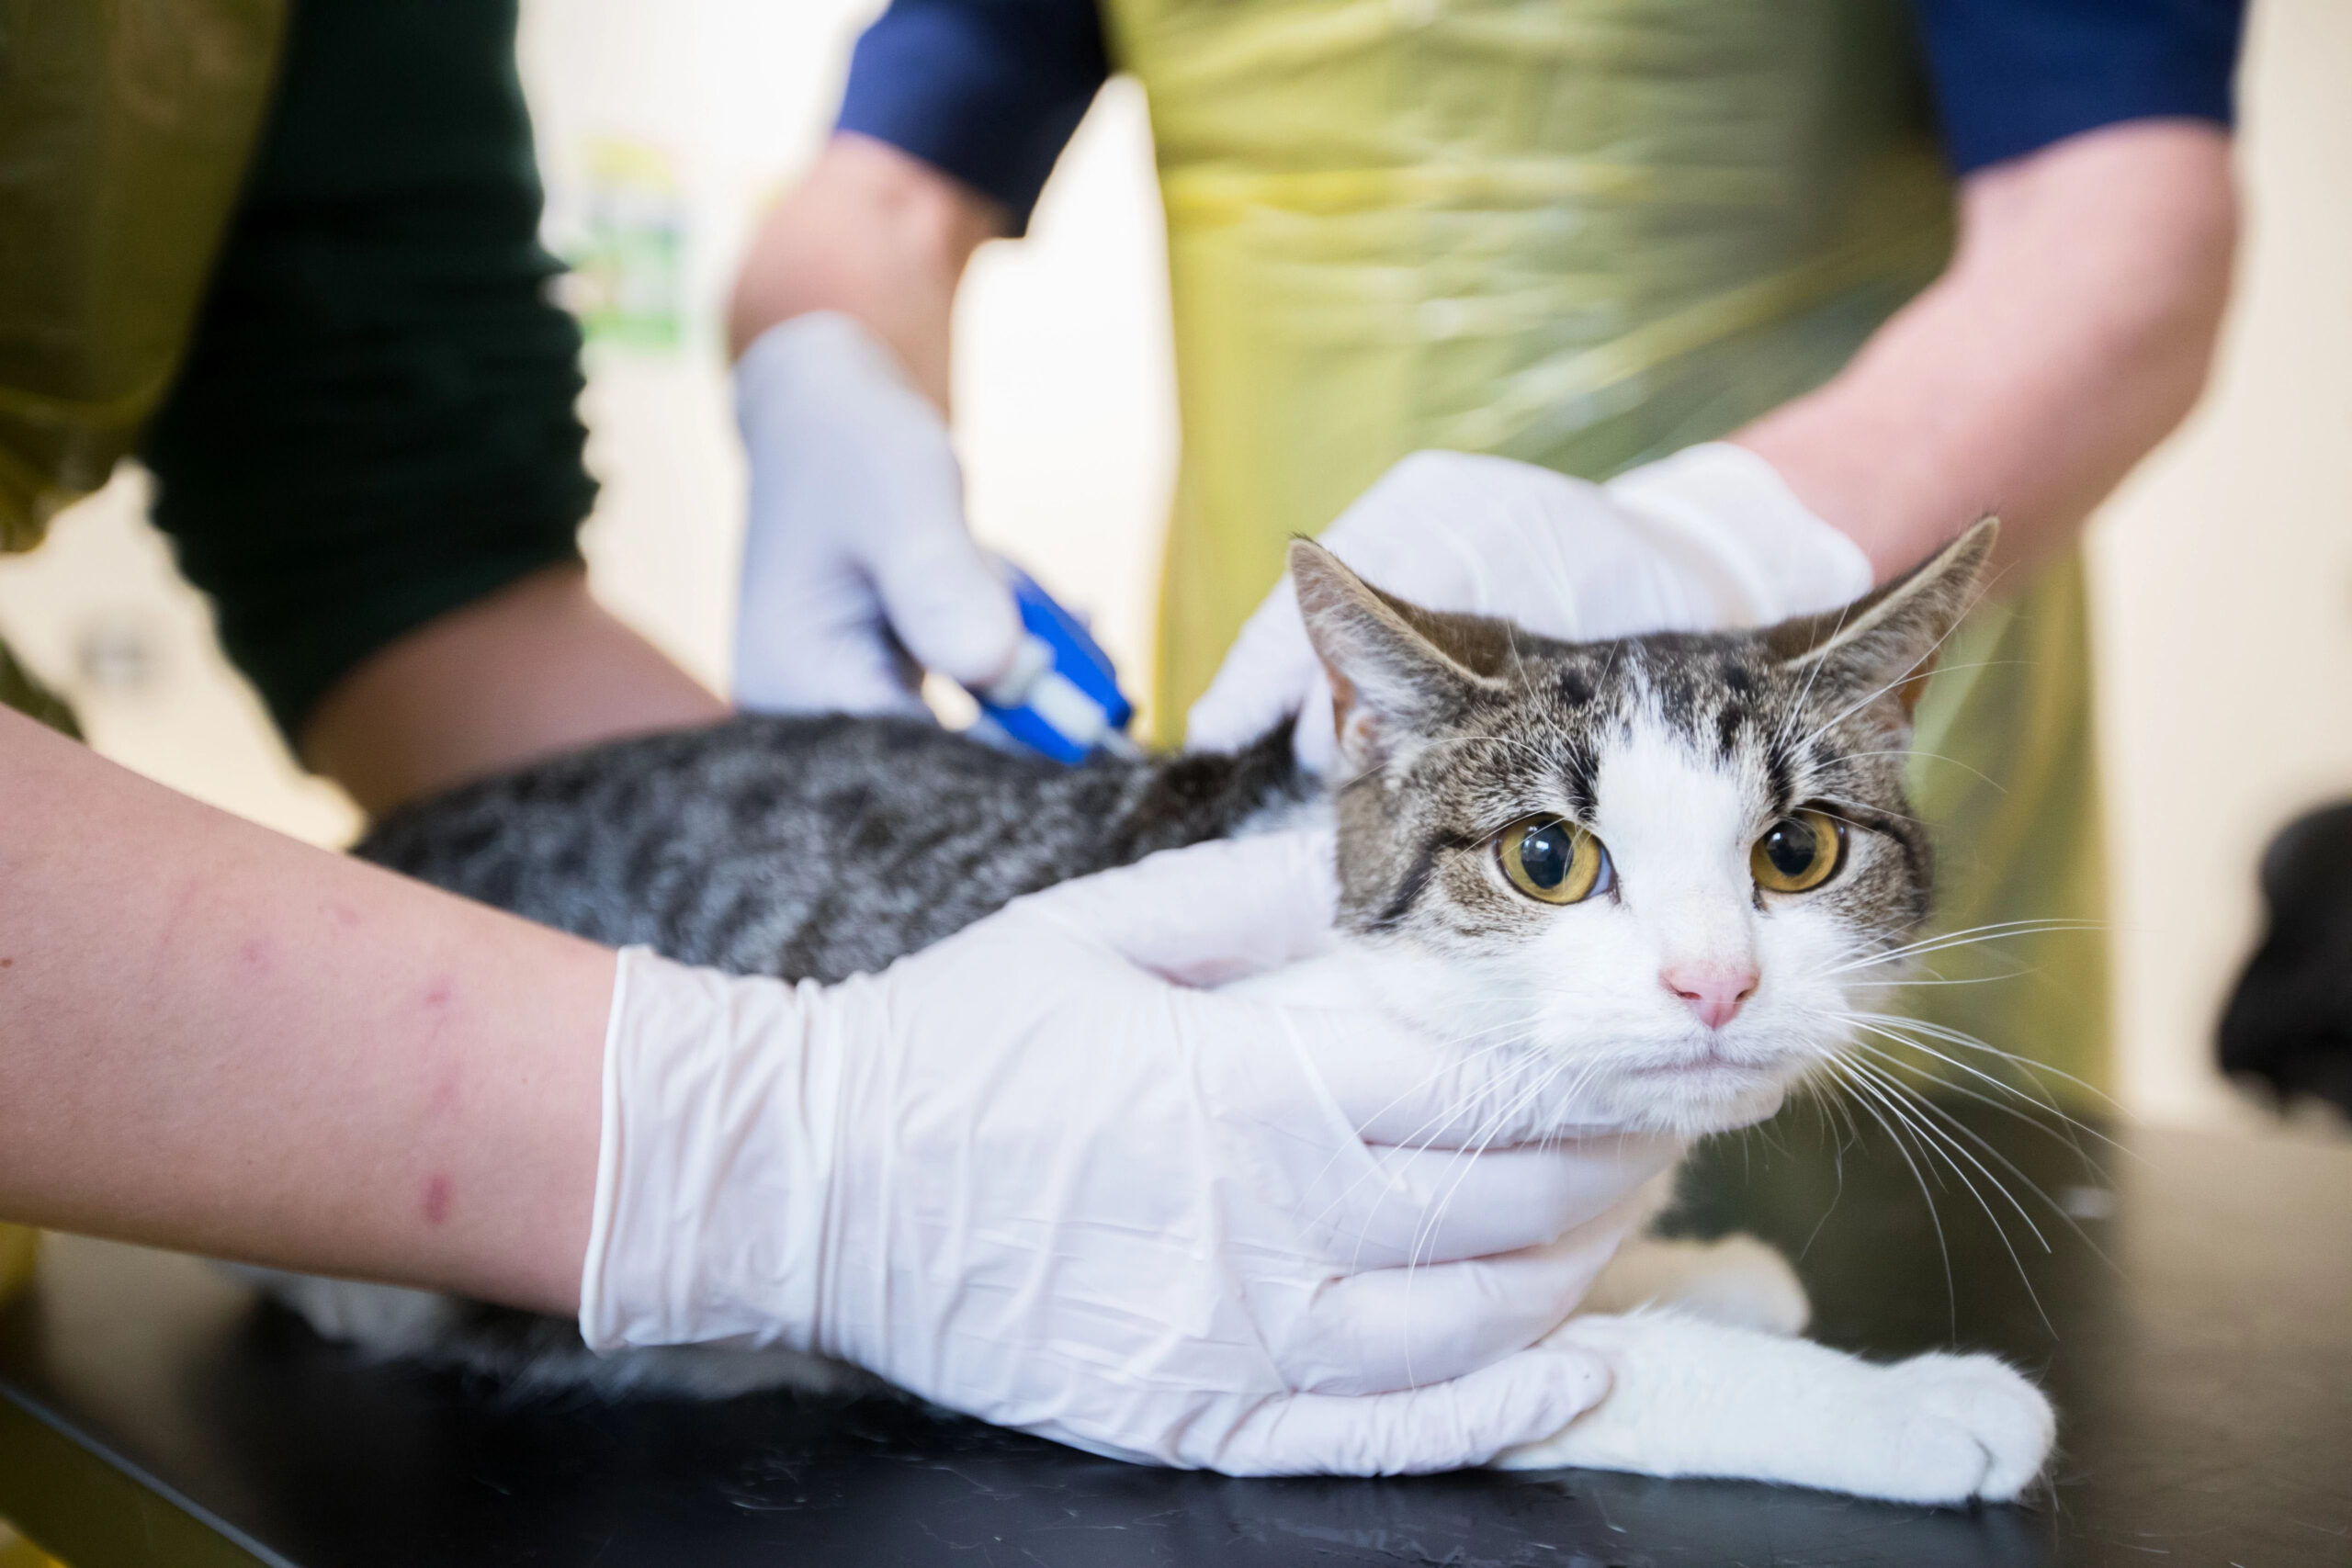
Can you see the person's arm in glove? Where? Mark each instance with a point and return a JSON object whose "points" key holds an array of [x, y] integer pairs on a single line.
{"points": [[216, 1039], [2071, 331], [1031, 1173], [859, 572]]}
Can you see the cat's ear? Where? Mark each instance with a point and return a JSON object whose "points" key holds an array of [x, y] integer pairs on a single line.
{"points": [[1396, 669], [1888, 640]]}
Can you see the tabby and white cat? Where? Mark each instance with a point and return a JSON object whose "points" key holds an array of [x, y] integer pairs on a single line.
{"points": [[1643, 866]]}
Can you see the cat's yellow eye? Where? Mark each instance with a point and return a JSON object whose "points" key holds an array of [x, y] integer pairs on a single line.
{"points": [[1798, 853], [1556, 862]]}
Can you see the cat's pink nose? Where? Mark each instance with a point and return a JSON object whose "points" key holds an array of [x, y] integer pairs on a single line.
{"points": [[1715, 994]]}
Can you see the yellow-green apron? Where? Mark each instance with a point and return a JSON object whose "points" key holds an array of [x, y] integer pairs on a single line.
{"points": [[126, 127], [124, 132], [1586, 234]]}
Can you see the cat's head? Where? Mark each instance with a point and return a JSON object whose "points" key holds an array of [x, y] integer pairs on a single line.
{"points": [[1653, 862]]}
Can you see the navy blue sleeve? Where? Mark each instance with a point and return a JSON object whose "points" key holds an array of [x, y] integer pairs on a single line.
{"points": [[2012, 77], [989, 90], [984, 90]]}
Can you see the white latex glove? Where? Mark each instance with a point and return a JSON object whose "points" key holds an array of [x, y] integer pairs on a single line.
{"points": [[1708, 538], [1032, 1173], [856, 553]]}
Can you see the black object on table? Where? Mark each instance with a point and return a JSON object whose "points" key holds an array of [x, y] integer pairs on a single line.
{"points": [[2289, 1024], [2198, 1341]]}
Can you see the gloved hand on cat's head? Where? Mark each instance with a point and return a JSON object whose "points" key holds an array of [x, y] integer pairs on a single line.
{"points": [[1039, 1174], [858, 570], [1708, 538]]}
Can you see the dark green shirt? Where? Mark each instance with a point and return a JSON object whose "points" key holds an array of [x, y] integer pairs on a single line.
{"points": [[375, 422]]}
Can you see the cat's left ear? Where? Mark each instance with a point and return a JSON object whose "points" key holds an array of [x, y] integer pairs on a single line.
{"points": [[1397, 669], [1887, 640]]}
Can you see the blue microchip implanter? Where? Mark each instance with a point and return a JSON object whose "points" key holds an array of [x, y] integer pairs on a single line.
{"points": [[1061, 697]]}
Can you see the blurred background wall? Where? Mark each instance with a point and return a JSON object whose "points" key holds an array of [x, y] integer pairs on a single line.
{"points": [[2224, 570], [2222, 583]]}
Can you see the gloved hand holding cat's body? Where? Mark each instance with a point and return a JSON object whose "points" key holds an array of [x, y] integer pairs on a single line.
{"points": [[1708, 538], [1026, 1176]]}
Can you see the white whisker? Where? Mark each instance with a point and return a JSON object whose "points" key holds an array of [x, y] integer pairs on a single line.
{"points": [[1952, 1291], [1947, 1146], [2045, 1103], [1950, 1036]]}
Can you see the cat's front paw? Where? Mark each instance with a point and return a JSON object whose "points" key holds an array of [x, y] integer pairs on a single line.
{"points": [[1962, 1430], [1690, 1397]]}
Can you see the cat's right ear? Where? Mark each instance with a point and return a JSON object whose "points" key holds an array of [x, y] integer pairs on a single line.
{"points": [[1390, 682]]}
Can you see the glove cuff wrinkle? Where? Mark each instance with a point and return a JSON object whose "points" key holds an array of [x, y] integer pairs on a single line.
{"points": [[710, 1177], [1729, 517], [597, 1326]]}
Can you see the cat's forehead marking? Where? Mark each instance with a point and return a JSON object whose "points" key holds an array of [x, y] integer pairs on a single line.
{"points": [[1731, 723], [1690, 694], [1659, 774], [1730, 707]]}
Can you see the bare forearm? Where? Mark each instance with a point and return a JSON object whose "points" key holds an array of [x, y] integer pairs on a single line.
{"points": [[874, 234], [2071, 333], [535, 669], [216, 1039]]}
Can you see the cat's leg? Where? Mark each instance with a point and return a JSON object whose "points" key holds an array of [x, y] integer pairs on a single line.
{"points": [[1738, 1280], [1697, 1398]]}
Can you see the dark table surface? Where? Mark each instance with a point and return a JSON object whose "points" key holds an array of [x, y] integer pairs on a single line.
{"points": [[2192, 1318]]}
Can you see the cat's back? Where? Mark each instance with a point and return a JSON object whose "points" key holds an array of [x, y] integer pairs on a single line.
{"points": [[805, 846]]}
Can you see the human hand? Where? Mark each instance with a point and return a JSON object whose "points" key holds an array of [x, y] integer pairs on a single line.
{"points": [[1037, 1174], [1707, 538], [858, 570]]}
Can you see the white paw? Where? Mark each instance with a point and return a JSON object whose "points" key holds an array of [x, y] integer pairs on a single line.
{"points": [[1975, 1430], [1691, 1397]]}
